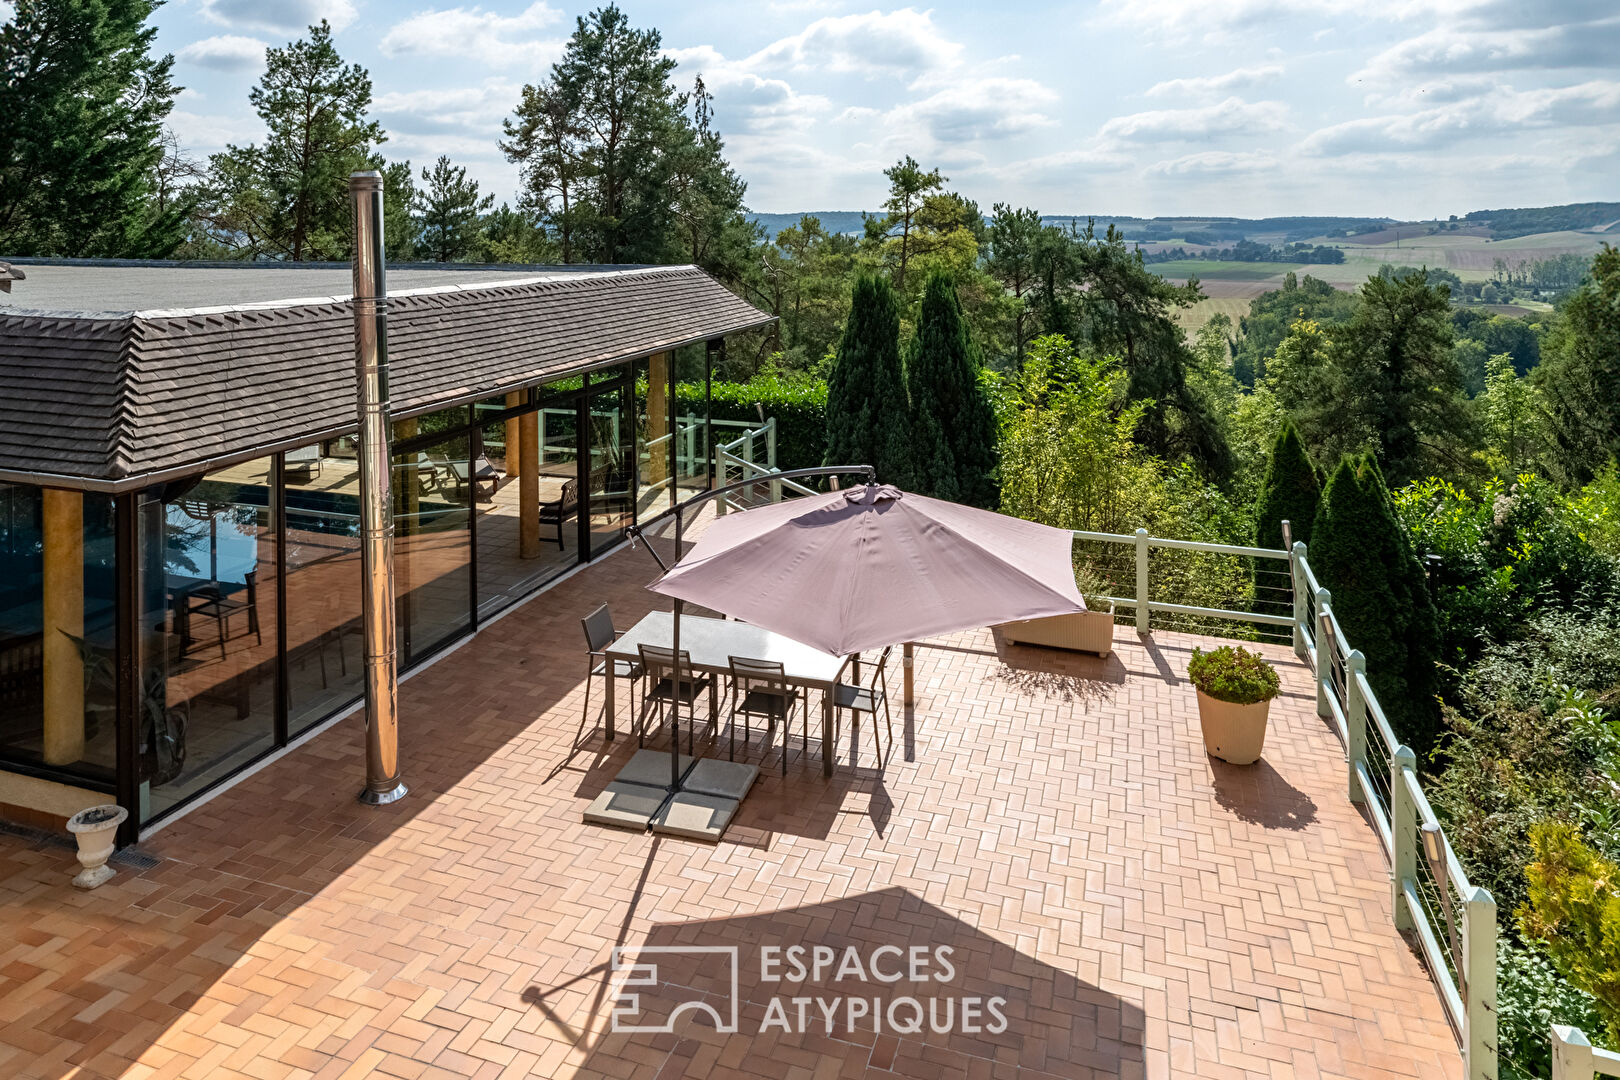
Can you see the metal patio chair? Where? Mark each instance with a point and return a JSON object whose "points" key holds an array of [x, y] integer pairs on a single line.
{"points": [[868, 699], [760, 688], [599, 634], [670, 682]]}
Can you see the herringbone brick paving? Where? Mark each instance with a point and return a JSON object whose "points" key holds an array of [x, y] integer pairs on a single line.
{"points": [[1052, 818]]}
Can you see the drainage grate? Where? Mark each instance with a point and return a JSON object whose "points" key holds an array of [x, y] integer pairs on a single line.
{"points": [[129, 858]]}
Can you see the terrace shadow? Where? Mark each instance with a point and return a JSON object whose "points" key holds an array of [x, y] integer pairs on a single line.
{"points": [[704, 1000]]}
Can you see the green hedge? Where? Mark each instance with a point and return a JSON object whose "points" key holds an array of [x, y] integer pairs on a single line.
{"points": [[799, 405]]}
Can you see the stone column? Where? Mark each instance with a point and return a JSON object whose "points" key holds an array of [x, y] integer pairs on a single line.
{"points": [[64, 615], [514, 453], [529, 486]]}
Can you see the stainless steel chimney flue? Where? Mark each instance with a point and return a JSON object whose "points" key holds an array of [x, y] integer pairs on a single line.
{"points": [[376, 518]]}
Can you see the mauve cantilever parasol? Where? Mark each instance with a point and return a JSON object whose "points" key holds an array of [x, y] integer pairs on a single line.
{"points": [[872, 566]]}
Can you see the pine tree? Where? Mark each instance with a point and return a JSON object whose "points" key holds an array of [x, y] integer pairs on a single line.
{"points": [[868, 421], [449, 210], [1581, 375], [953, 428], [1290, 492], [82, 104], [288, 197], [1360, 555]]}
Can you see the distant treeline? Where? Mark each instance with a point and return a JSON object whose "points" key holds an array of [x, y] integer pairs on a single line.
{"points": [[1537, 219], [1249, 251]]}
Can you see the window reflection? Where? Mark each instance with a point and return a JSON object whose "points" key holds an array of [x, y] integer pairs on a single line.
{"points": [[325, 652], [208, 631]]}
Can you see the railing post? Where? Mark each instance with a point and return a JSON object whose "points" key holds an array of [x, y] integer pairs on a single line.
{"points": [[1325, 646], [1355, 722], [1296, 568], [1403, 833], [770, 458], [721, 504], [1571, 1054], [1144, 623], [1477, 965]]}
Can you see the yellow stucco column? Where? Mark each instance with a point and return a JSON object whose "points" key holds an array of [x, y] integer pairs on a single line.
{"points": [[514, 452], [64, 615], [529, 487], [658, 417]]}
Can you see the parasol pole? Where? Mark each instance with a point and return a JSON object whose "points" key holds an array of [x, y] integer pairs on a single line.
{"points": [[676, 689]]}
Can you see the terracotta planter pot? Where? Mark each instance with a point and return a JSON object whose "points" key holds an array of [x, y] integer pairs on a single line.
{"points": [[1233, 733], [1086, 631]]}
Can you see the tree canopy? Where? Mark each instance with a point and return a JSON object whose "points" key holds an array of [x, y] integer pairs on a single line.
{"points": [[82, 104]]}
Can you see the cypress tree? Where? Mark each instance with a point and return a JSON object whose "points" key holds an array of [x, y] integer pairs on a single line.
{"points": [[953, 428], [82, 104], [868, 419], [1289, 492], [1380, 599]]}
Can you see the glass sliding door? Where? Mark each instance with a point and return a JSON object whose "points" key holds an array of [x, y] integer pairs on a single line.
{"points": [[208, 630], [609, 461], [58, 647], [432, 543], [693, 450], [325, 643]]}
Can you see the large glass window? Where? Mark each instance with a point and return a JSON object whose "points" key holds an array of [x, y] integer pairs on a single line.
{"points": [[325, 649], [208, 631], [58, 660], [610, 487], [693, 449], [432, 491]]}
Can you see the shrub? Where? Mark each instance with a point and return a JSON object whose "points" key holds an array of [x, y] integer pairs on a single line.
{"points": [[799, 405], [1361, 555], [1233, 673], [1531, 996], [1574, 907]]}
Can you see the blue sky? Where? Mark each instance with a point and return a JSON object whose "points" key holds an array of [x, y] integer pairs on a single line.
{"points": [[1408, 108]]}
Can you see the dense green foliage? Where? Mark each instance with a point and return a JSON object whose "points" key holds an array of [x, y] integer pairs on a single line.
{"points": [[1535, 219], [1531, 996], [82, 103], [1582, 373], [1233, 673], [953, 429], [1362, 556], [1574, 908], [868, 418], [1290, 492], [798, 404]]}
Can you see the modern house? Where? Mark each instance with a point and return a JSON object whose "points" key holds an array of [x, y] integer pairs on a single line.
{"points": [[179, 492]]}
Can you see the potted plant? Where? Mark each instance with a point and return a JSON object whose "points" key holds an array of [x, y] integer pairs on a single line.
{"points": [[1091, 630], [1235, 688], [95, 828]]}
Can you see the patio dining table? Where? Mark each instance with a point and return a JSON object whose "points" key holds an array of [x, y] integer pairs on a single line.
{"points": [[711, 643]]}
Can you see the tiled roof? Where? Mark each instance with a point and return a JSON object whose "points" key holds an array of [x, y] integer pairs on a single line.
{"points": [[121, 396]]}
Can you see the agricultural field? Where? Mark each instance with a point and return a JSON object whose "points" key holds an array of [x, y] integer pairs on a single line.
{"points": [[1181, 269], [1193, 318]]}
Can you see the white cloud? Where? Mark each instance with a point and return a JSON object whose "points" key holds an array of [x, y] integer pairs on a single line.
{"points": [[279, 16], [1234, 116], [905, 44], [969, 110], [1500, 111], [746, 101], [226, 52], [1215, 163], [1453, 49], [469, 109], [491, 39], [1210, 86]]}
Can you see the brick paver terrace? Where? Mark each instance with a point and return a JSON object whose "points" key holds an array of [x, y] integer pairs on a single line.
{"points": [[1052, 818]]}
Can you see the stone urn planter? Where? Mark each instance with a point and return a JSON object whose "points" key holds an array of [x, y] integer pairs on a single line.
{"points": [[1235, 688], [95, 829], [1086, 631]]}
